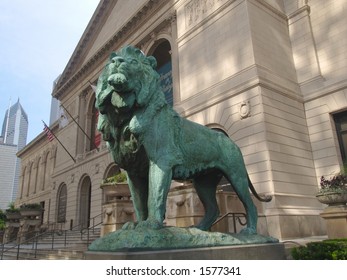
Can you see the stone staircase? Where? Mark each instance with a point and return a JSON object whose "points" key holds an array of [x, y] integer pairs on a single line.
{"points": [[69, 245]]}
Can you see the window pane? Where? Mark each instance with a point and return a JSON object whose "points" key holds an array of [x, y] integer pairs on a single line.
{"points": [[341, 130]]}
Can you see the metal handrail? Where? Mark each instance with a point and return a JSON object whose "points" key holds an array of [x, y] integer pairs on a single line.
{"points": [[237, 216], [90, 228], [52, 232]]}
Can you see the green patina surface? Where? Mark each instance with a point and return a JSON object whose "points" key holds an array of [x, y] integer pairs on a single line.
{"points": [[148, 139], [172, 238]]}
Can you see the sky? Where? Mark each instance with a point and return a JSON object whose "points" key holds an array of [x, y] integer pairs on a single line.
{"points": [[37, 39]]}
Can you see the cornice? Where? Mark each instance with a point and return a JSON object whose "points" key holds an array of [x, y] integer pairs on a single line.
{"points": [[85, 39], [67, 81]]}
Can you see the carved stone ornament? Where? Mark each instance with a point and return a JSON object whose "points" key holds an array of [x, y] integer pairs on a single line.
{"points": [[72, 178], [245, 109]]}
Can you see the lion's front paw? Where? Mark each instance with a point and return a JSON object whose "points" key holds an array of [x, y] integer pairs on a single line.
{"points": [[149, 224], [129, 225]]}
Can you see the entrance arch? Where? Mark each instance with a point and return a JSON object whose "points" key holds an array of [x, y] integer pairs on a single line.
{"points": [[84, 202]]}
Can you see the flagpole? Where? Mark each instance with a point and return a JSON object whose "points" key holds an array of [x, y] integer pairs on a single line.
{"points": [[79, 126], [59, 141], [92, 86]]}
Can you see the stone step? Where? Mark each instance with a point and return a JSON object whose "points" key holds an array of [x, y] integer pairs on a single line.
{"points": [[44, 254], [71, 247]]}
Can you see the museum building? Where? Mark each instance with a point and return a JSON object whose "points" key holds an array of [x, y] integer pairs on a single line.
{"points": [[271, 74]]}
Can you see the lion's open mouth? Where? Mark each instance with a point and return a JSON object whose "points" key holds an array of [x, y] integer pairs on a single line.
{"points": [[123, 102]]}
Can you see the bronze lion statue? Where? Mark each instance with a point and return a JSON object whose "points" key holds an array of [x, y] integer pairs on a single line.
{"points": [[155, 145]]}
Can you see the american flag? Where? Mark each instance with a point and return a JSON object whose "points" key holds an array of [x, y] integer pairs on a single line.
{"points": [[48, 132]]}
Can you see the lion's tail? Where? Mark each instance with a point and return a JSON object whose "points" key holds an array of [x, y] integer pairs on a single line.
{"points": [[265, 198]]}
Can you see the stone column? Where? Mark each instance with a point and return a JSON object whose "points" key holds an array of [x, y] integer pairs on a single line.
{"points": [[304, 47]]}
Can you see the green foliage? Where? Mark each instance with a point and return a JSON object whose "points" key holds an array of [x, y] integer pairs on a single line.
{"points": [[36, 206], [344, 168], [2, 215], [2, 220], [330, 249], [118, 178], [11, 208]]}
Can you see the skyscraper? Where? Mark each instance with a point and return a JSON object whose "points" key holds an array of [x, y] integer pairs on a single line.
{"points": [[13, 138]]}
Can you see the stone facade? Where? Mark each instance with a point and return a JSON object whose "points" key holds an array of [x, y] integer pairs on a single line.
{"points": [[270, 74]]}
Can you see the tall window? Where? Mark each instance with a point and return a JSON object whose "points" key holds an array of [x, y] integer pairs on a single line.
{"points": [[162, 53], [341, 130], [62, 201]]}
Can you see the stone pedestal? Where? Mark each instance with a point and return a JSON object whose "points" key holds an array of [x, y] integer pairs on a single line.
{"points": [[12, 226], [185, 209], [30, 224], [239, 252], [116, 214], [336, 220], [117, 207], [28, 229], [11, 231]]}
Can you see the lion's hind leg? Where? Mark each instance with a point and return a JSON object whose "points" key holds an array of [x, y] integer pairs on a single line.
{"points": [[239, 181], [206, 186]]}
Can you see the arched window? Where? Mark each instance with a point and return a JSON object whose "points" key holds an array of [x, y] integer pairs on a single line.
{"points": [[23, 181], [62, 202], [39, 175], [32, 181], [162, 53], [112, 170], [47, 170]]}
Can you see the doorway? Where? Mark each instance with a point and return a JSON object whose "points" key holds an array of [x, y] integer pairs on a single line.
{"points": [[85, 197]]}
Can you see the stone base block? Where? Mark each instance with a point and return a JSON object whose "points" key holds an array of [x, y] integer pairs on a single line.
{"points": [[243, 252], [336, 220]]}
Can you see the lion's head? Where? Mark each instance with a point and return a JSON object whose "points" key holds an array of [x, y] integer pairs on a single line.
{"points": [[126, 80]]}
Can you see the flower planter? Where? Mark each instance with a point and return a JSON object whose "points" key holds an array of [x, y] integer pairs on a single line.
{"points": [[332, 198], [13, 216], [30, 213], [115, 191]]}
